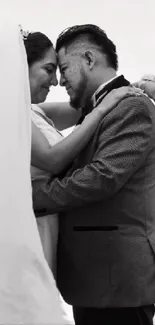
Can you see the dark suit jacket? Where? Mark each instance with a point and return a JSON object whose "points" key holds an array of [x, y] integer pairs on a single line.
{"points": [[106, 251]]}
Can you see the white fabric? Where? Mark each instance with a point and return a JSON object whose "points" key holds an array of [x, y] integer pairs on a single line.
{"points": [[28, 294], [47, 225], [49, 132]]}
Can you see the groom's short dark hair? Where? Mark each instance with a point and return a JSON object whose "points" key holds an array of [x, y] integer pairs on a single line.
{"points": [[94, 35]]}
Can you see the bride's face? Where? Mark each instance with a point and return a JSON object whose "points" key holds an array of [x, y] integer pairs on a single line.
{"points": [[42, 75]]}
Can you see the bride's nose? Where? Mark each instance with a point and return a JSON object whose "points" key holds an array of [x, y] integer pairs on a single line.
{"points": [[54, 81]]}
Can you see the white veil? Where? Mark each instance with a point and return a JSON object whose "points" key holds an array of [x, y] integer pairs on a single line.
{"points": [[28, 294]]}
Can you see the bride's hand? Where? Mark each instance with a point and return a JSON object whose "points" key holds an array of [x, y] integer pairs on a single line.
{"points": [[115, 96]]}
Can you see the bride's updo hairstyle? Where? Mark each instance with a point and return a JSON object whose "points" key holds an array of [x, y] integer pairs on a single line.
{"points": [[36, 45]]}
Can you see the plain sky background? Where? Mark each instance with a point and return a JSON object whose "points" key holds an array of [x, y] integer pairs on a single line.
{"points": [[129, 23]]}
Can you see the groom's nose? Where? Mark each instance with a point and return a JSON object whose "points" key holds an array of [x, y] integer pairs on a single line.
{"points": [[62, 81]]}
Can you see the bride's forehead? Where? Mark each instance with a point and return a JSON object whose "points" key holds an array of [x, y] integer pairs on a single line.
{"points": [[50, 57]]}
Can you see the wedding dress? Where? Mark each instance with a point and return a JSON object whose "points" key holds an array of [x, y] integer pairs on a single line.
{"points": [[47, 225], [28, 293]]}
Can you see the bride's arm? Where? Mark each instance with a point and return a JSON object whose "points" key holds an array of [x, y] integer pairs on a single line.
{"points": [[62, 114], [55, 159]]}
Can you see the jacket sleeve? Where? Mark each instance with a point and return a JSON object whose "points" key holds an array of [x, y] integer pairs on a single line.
{"points": [[123, 144]]}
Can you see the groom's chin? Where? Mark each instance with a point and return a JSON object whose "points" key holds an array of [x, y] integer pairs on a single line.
{"points": [[75, 103]]}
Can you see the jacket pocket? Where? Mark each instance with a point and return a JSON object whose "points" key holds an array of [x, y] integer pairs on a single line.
{"points": [[95, 228]]}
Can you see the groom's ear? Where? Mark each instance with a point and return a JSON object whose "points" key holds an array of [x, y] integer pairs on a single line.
{"points": [[90, 58]]}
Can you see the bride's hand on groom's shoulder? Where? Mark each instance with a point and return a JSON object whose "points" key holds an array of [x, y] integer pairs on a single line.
{"points": [[116, 95]]}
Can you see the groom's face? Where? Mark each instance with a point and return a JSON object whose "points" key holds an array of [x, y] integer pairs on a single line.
{"points": [[73, 76]]}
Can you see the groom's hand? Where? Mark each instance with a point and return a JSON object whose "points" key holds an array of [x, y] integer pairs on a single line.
{"points": [[147, 84]]}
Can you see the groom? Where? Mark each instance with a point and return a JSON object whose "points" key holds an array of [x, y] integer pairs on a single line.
{"points": [[106, 251]]}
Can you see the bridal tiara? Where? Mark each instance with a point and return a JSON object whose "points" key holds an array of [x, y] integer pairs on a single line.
{"points": [[24, 33]]}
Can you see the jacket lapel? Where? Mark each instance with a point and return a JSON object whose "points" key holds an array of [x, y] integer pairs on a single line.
{"points": [[118, 82]]}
